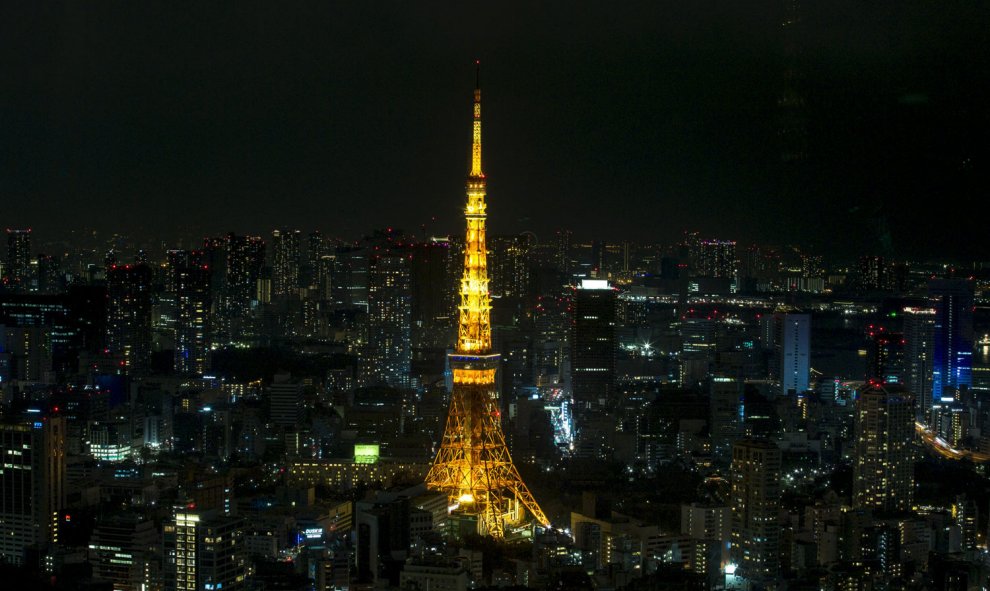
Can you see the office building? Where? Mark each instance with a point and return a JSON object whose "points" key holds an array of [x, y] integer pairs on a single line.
{"points": [[389, 348], [204, 550], [792, 348], [129, 315], [919, 339], [434, 294], [192, 295], [245, 259], [717, 258], [32, 485], [285, 262], [124, 551], [285, 400], [593, 345], [755, 497], [883, 457], [885, 359], [952, 348], [17, 270]]}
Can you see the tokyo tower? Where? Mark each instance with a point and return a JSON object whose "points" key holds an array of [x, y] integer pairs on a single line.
{"points": [[473, 465]]}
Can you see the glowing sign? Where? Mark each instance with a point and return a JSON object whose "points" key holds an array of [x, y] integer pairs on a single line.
{"points": [[366, 453], [313, 533]]}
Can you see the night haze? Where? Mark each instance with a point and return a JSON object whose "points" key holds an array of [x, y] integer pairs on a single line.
{"points": [[637, 120]]}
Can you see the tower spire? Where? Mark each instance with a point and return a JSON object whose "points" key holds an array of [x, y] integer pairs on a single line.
{"points": [[476, 136]]}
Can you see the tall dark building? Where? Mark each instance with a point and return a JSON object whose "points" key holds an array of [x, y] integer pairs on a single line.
{"points": [[952, 350], [593, 345], [919, 335], [883, 460], [245, 261], [434, 294], [17, 272], [129, 315], [192, 295], [32, 485], [873, 273], [756, 474], [885, 356], [285, 262], [389, 350], [49, 280]]}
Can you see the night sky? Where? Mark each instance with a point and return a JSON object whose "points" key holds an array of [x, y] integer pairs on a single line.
{"points": [[614, 119]]}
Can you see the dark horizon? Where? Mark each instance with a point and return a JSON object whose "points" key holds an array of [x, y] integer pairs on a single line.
{"points": [[351, 118]]}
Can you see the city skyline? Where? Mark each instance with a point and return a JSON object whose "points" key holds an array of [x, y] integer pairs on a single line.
{"points": [[672, 111]]}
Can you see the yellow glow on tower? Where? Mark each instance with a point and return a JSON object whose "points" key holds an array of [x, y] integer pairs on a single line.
{"points": [[473, 465]]}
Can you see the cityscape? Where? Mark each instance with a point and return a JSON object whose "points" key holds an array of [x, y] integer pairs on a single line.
{"points": [[496, 398]]}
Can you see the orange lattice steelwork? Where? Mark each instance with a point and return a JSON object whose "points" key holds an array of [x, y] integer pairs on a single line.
{"points": [[473, 465]]}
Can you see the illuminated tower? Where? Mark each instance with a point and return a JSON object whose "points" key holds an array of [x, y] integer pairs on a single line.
{"points": [[473, 465]]}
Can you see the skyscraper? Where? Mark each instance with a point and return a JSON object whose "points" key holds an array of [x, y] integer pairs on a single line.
{"points": [[885, 356], [389, 319], [883, 460], [792, 348], [593, 345], [17, 271], [129, 315], [509, 264], [192, 294], [433, 294], [952, 350], [755, 500], [717, 258], [285, 262], [32, 484], [245, 261], [919, 334], [204, 550]]}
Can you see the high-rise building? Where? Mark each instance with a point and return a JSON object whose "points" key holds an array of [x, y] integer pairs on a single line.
{"points": [[883, 459], [124, 551], [204, 550], [717, 258], [727, 413], [756, 474], [389, 319], [509, 265], [885, 360], [17, 271], [562, 253], [434, 294], [285, 402], [873, 273], [192, 285], [593, 345], [32, 485], [245, 261], [129, 315], [792, 348], [49, 280], [952, 350], [919, 335], [285, 262]]}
